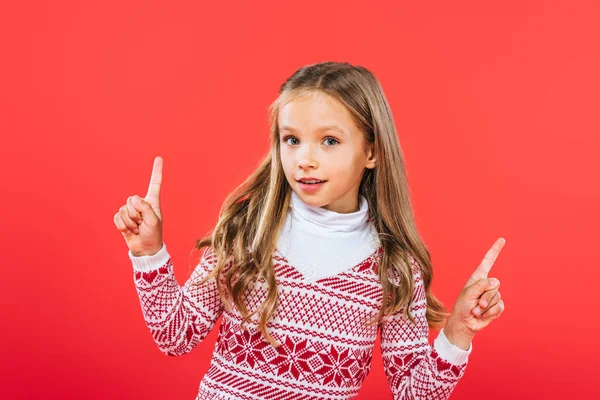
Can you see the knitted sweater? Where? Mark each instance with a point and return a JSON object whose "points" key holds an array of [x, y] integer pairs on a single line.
{"points": [[325, 350]]}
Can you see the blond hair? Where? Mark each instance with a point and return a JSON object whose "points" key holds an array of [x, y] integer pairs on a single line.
{"points": [[251, 217]]}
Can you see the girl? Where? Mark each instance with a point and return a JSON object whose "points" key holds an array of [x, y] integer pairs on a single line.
{"points": [[312, 256]]}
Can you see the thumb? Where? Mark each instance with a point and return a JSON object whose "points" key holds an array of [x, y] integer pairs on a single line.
{"points": [[145, 208], [481, 286]]}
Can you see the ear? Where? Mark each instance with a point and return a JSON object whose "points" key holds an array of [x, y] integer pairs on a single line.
{"points": [[371, 159]]}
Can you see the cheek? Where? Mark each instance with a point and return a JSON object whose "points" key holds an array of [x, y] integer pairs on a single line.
{"points": [[286, 161], [343, 163], [348, 167], [288, 165]]}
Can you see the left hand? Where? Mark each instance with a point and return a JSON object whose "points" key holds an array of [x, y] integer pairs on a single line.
{"points": [[479, 301]]}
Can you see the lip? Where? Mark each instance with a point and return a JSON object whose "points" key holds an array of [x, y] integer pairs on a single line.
{"points": [[309, 178], [310, 187]]}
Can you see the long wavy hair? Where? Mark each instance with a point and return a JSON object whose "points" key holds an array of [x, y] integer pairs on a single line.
{"points": [[251, 217]]}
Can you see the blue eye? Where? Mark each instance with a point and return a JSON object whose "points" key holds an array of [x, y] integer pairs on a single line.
{"points": [[285, 140], [330, 138]]}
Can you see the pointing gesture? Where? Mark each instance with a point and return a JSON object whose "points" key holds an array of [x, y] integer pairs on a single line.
{"points": [[140, 220], [478, 303], [153, 195], [486, 264]]}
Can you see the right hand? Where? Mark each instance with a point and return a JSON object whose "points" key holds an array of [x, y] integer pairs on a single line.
{"points": [[141, 223]]}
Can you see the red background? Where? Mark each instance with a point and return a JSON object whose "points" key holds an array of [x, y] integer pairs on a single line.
{"points": [[497, 111]]}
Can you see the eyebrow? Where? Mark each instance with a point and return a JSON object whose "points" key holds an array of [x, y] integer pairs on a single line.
{"points": [[322, 128]]}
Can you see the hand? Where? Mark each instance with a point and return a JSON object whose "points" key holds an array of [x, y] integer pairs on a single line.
{"points": [[140, 220], [479, 294]]}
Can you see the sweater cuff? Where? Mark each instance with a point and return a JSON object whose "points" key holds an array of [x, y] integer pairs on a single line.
{"points": [[449, 352], [150, 263]]}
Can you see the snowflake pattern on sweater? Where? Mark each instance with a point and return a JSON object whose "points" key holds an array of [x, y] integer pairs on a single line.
{"points": [[326, 350]]}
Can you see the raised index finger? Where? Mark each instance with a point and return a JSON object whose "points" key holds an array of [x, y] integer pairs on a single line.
{"points": [[155, 179], [488, 260]]}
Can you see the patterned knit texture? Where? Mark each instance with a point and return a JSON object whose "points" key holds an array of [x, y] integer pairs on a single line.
{"points": [[325, 350]]}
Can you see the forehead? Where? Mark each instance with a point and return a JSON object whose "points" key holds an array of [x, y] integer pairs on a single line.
{"points": [[315, 111]]}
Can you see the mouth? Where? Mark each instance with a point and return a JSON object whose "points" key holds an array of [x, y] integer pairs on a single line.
{"points": [[310, 182], [310, 185]]}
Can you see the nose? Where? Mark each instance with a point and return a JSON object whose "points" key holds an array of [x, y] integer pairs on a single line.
{"points": [[306, 158]]}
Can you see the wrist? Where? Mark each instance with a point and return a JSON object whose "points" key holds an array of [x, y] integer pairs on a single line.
{"points": [[458, 337], [147, 252]]}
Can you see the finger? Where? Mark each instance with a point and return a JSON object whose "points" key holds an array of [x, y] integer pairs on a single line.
{"points": [[488, 261], [129, 223], [145, 209], [486, 297], [494, 312], [480, 309], [121, 225], [476, 290], [133, 213], [155, 180]]}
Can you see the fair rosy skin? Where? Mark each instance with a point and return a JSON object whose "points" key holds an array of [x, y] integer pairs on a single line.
{"points": [[478, 303], [310, 149]]}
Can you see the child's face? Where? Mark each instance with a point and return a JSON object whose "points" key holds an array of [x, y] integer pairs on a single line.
{"points": [[309, 150]]}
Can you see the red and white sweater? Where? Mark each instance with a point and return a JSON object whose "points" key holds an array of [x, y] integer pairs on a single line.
{"points": [[326, 352]]}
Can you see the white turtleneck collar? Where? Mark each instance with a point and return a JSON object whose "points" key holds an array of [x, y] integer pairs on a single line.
{"points": [[330, 220], [320, 243]]}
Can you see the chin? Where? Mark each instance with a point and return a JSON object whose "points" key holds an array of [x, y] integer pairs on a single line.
{"points": [[316, 203], [313, 203], [310, 200]]}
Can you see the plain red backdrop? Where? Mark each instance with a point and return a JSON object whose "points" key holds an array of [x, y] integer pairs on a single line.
{"points": [[496, 107]]}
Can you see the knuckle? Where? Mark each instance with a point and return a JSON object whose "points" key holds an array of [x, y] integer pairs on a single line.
{"points": [[121, 226], [132, 214]]}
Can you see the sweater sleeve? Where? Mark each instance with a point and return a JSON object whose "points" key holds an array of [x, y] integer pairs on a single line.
{"points": [[414, 368], [178, 317]]}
